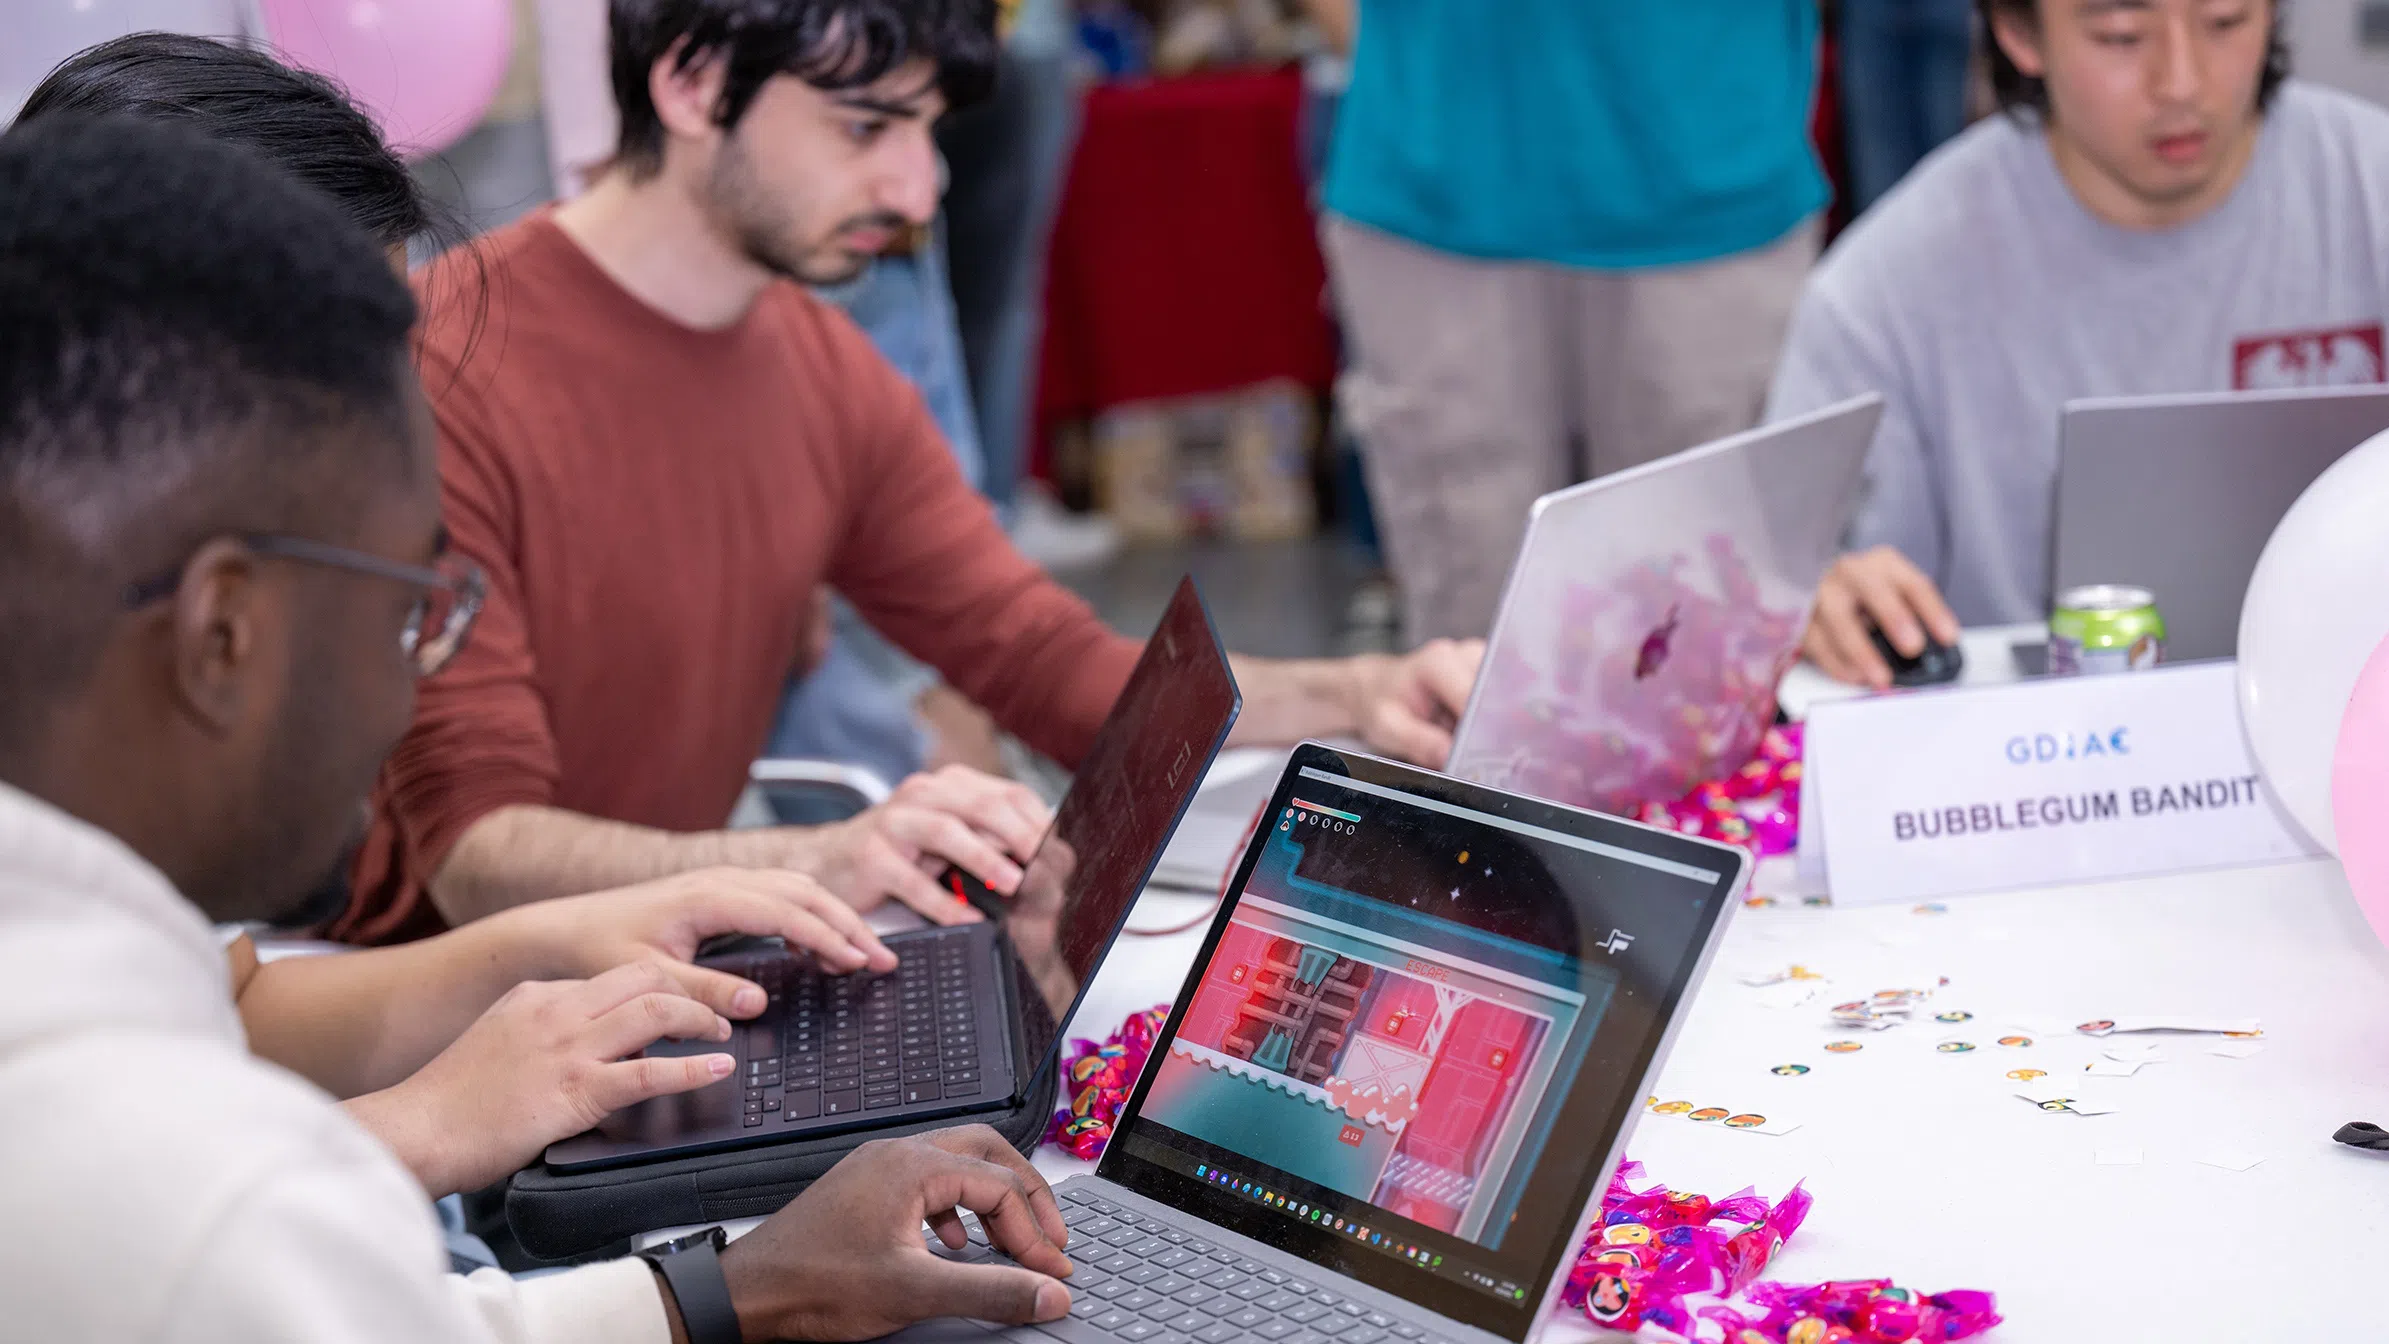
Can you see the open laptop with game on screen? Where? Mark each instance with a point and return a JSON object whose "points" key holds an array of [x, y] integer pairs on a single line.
{"points": [[973, 1013], [1651, 613], [1405, 1061]]}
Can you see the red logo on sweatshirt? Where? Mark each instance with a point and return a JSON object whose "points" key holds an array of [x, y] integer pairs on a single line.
{"points": [[2324, 357]]}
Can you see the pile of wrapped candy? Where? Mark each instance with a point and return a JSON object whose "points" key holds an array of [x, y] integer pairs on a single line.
{"points": [[1756, 807], [1099, 1079], [1654, 1254]]}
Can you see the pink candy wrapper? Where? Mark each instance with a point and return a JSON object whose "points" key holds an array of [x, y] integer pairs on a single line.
{"points": [[1757, 806], [1098, 1078], [1653, 1251]]}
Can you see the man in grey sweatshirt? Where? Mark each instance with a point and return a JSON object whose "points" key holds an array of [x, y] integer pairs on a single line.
{"points": [[2158, 211]]}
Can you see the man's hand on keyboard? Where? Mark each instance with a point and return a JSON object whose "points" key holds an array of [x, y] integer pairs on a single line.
{"points": [[846, 1260], [547, 1061], [664, 921]]}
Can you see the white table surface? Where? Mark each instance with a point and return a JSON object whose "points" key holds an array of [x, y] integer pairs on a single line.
{"points": [[1926, 1170]]}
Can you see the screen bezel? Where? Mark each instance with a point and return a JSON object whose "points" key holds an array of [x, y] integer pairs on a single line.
{"points": [[1186, 606], [1330, 1250]]}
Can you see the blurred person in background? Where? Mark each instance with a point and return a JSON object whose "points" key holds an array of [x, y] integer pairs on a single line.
{"points": [[1009, 156], [1565, 238], [658, 445], [2159, 210], [1903, 68]]}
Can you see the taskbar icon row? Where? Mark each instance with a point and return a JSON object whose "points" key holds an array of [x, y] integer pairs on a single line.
{"points": [[1352, 1229]]}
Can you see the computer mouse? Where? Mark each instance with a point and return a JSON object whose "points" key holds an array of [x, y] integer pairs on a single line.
{"points": [[1937, 664]]}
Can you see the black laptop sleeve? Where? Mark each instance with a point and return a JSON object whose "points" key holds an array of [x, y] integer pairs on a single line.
{"points": [[559, 1215]]}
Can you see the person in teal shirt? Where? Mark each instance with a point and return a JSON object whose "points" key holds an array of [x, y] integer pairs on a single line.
{"points": [[1566, 237]]}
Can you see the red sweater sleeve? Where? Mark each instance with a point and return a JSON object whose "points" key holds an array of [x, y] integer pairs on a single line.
{"points": [[480, 739], [922, 557]]}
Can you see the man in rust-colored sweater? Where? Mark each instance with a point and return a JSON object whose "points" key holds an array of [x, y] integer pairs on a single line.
{"points": [[657, 445]]}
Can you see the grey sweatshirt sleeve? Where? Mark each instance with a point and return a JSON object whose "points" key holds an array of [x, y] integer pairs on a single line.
{"points": [[1833, 353]]}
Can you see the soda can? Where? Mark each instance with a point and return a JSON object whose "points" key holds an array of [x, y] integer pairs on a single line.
{"points": [[2105, 627]]}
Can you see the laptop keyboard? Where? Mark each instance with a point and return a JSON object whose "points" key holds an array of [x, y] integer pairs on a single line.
{"points": [[1149, 1283], [832, 1045]]}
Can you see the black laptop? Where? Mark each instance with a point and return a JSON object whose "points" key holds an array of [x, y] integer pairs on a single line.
{"points": [[972, 1012]]}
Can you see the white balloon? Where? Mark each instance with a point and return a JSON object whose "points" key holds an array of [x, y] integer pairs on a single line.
{"points": [[36, 35], [2317, 606]]}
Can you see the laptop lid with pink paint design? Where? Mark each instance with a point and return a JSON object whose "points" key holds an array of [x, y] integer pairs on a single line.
{"points": [[1650, 614]]}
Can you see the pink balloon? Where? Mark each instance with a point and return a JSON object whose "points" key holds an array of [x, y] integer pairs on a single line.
{"points": [[425, 69], [2360, 790]]}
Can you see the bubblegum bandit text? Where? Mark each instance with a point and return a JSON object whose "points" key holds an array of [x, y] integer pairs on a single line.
{"points": [[2074, 809]]}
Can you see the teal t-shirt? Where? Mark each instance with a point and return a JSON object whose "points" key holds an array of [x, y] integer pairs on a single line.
{"points": [[1600, 133]]}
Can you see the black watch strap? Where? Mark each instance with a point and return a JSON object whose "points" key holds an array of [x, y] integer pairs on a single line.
{"points": [[692, 1269]]}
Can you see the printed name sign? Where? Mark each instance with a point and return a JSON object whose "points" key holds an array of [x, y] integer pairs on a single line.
{"points": [[2060, 779]]}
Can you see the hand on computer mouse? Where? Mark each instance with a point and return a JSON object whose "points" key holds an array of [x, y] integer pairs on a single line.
{"points": [[1934, 664], [1870, 590], [845, 1259]]}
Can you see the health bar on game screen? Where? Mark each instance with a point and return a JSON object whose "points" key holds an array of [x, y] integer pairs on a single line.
{"points": [[1324, 811]]}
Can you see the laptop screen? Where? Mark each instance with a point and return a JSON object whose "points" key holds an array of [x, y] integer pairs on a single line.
{"points": [[1128, 793], [1420, 1023]]}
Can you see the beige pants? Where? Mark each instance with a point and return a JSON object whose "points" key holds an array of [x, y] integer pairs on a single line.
{"points": [[1476, 386]]}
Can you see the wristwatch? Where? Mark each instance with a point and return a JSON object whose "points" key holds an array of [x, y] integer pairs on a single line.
{"points": [[692, 1269]]}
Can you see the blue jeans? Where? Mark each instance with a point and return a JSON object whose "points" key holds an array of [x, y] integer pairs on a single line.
{"points": [[1903, 86], [857, 707], [1010, 157]]}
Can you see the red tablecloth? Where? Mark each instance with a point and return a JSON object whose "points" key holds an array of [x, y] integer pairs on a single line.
{"points": [[1184, 256]]}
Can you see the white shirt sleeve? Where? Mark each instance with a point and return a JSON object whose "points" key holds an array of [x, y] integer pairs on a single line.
{"points": [[338, 1253]]}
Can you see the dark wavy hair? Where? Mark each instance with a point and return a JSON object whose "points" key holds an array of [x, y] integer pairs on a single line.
{"points": [[299, 121], [2019, 93], [829, 44]]}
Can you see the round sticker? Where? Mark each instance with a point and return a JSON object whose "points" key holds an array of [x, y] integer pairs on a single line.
{"points": [[1954, 1015], [2027, 1075], [1671, 1108], [1806, 1330], [2099, 1028], [1617, 1255], [1790, 1070], [1954, 1047], [2015, 1042], [1744, 1121], [1609, 1298], [2056, 1103], [1627, 1234], [1708, 1113], [1844, 1047]]}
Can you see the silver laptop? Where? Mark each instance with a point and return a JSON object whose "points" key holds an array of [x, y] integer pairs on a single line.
{"points": [[1402, 1067], [2178, 494], [1651, 613]]}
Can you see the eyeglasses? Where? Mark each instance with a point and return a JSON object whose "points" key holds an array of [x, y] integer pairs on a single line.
{"points": [[436, 626]]}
